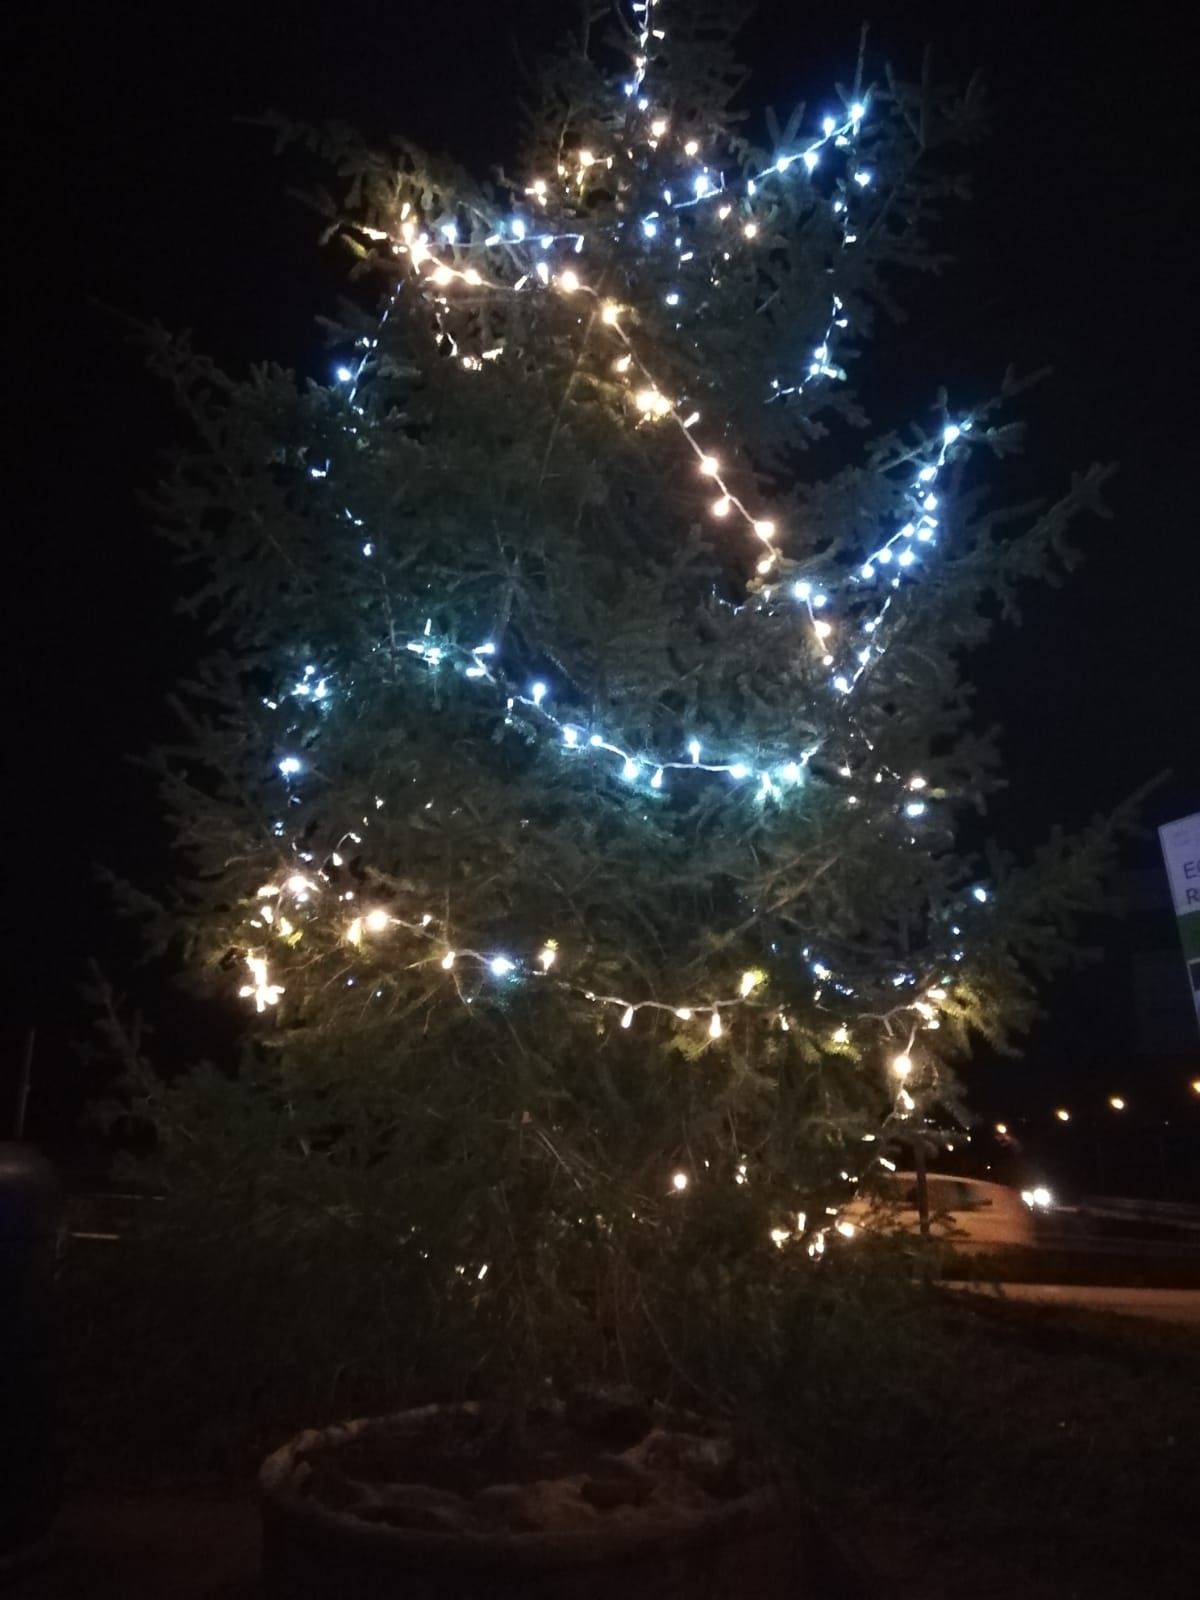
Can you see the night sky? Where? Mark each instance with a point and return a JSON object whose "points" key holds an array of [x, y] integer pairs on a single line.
{"points": [[146, 198]]}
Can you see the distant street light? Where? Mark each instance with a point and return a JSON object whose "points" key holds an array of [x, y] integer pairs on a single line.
{"points": [[1062, 1114], [1002, 1128], [1196, 1085], [1116, 1102]]}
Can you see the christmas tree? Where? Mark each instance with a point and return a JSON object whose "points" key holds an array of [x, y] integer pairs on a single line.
{"points": [[574, 794]]}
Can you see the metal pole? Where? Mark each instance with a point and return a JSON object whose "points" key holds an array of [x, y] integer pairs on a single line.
{"points": [[922, 1187], [1162, 1164], [23, 1083]]}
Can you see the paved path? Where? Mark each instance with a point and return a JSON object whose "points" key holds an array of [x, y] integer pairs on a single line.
{"points": [[1180, 1306]]}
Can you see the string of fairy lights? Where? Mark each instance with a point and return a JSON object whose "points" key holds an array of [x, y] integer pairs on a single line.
{"points": [[448, 259]]}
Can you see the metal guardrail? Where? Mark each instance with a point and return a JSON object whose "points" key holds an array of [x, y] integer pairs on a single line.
{"points": [[1172, 1212], [1083, 1244]]}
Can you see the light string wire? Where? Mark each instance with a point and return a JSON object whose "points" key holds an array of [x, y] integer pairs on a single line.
{"points": [[427, 268]]}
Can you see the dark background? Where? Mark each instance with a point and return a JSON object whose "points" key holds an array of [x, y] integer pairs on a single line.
{"points": [[143, 196]]}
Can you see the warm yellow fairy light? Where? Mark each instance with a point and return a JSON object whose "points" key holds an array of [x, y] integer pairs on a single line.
{"points": [[750, 980], [1063, 1114], [780, 1236], [658, 127], [714, 1026], [586, 158], [376, 921], [1116, 1102], [627, 1016], [569, 280], [448, 960], [841, 1036], [720, 508], [354, 931], [547, 955], [691, 148], [679, 1181], [443, 275], [822, 629], [764, 528], [906, 1100], [709, 466], [684, 1013], [1196, 1085], [610, 313], [472, 277], [1002, 1128], [750, 229], [264, 992], [645, 399], [902, 1066]]}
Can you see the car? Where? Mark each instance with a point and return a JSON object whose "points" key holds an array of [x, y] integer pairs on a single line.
{"points": [[966, 1213]]}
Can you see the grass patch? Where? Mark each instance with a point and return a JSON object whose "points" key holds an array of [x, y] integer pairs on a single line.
{"points": [[1017, 1264], [1037, 1453], [963, 1447]]}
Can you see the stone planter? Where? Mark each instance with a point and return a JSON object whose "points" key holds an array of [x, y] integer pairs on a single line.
{"points": [[739, 1545]]}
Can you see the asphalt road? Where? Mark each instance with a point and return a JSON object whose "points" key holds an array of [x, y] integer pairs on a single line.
{"points": [[1180, 1306]]}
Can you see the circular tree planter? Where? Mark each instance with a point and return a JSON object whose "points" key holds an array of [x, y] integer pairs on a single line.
{"points": [[598, 1501]]}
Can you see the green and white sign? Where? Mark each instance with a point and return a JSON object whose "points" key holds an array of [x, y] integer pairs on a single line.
{"points": [[1181, 851]]}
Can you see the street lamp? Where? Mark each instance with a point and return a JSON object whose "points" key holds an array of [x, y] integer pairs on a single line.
{"points": [[1063, 1114], [1116, 1102]]}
